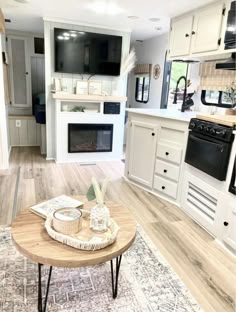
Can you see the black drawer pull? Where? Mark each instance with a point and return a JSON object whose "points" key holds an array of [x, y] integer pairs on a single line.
{"points": [[186, 35], [165, 170], [163, 187], [193, 32], [167, 153], [226, 223], [153, 134]]}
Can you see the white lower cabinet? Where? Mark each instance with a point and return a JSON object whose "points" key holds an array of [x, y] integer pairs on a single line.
{"points": [[227, 221], [154, 153], [165, 186], [167, 170], [169, 152], [141, 158]]}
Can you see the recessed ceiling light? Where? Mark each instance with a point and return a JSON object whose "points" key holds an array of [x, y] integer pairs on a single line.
{"points": [[23, 1], [109, 8], [60, 37], [81, 32], [133, 17], [158, 28], [66, 34], [73, 35], [154, 19]]}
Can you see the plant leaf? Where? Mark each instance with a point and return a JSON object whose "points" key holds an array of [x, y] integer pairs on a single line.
{"points": [[91, 194]]}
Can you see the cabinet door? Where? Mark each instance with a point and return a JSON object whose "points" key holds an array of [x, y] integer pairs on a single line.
{"points": [[207, 28], [229, 224], [180, 36], [142, 152], [19, 72]]}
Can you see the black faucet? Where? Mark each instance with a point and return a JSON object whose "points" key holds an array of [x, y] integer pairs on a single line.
{"points": [[184, 95]]}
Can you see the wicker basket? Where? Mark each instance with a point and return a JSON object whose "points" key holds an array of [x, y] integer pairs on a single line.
{"points": [[85, 239], [67, 220]]}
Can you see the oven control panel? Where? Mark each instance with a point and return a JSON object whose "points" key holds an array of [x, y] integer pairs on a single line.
{"points": [[212, 129]]}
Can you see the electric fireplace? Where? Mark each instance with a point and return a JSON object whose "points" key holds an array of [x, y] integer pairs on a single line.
{"points": [[90, 138]]}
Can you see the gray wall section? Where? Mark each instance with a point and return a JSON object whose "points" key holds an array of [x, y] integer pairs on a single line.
{"points": [[151, 51]]}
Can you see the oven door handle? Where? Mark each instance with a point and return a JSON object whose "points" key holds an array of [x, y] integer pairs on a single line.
{"points": [[199, 139]]}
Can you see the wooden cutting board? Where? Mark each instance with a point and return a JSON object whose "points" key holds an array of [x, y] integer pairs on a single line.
{"points": [[226, 120]]}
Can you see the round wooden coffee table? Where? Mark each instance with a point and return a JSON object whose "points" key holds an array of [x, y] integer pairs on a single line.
{"points": [[32, 241]]}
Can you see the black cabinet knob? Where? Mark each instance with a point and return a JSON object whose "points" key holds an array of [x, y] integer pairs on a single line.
{"points": [[153, 134], [193, 32], [167, 153], [226, 223], [163, 187], [186, 35], [165, 170], [26, 73]]}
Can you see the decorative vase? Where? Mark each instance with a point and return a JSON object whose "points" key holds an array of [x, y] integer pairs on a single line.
{"points": [[99, 218]]}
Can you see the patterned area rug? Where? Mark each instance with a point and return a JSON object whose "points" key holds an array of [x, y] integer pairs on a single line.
{"points": [[146, 283]]}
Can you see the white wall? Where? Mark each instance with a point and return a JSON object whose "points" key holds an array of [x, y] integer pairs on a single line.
{"points": [[69, 80], [151, 51]]}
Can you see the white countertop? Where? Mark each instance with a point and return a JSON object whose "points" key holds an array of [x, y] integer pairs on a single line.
{"points": [[164, 113]]}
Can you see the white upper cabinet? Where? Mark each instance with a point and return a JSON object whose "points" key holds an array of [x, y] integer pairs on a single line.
{"points": [[207, 28], [199, 32], [142, 151], [180, 36]]}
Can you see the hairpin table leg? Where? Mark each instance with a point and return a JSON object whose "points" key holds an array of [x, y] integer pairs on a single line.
{"points": [[41, 307], [115, 284]]}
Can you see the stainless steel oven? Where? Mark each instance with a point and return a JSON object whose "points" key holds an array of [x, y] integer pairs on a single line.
{"points": [[209, 146]]}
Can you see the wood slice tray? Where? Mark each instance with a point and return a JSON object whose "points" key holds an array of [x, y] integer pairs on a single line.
{"points": [[85, 239]]}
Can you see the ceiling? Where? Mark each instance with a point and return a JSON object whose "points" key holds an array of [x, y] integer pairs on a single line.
{"points": [[109, 13]]}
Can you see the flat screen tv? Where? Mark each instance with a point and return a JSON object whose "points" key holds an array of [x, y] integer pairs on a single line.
{"points": [[79, 52]]}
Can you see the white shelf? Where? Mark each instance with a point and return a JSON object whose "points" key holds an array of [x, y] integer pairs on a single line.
{"points": [[98, 98]]}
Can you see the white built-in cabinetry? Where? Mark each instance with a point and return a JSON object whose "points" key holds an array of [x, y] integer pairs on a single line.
{"points": [[229, 232], [155, 153], [142, 156], [199, 32], [227, 221], [155, 149], [200, 200], [169, 157], [206, 30], [180, 36]]}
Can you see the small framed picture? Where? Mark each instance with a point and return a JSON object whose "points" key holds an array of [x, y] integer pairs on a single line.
{"points": [[95, 87], [81, 87]]}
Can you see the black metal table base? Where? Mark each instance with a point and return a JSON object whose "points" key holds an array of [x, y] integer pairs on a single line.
{"points": [[115, 283], [42, 304]]}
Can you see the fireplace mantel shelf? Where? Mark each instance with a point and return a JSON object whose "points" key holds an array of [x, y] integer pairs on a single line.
{"points": [[79, 97]]}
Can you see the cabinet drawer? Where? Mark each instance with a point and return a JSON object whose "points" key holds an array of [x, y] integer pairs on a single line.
{"points": [[165, 186], [170, 153], [167, 170]]}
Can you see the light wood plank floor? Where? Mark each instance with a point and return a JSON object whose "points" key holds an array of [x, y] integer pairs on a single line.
{"points": [[206, 269]]}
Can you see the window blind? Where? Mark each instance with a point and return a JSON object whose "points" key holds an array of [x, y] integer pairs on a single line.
{"points": [[215, 79], [143, 70]]}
